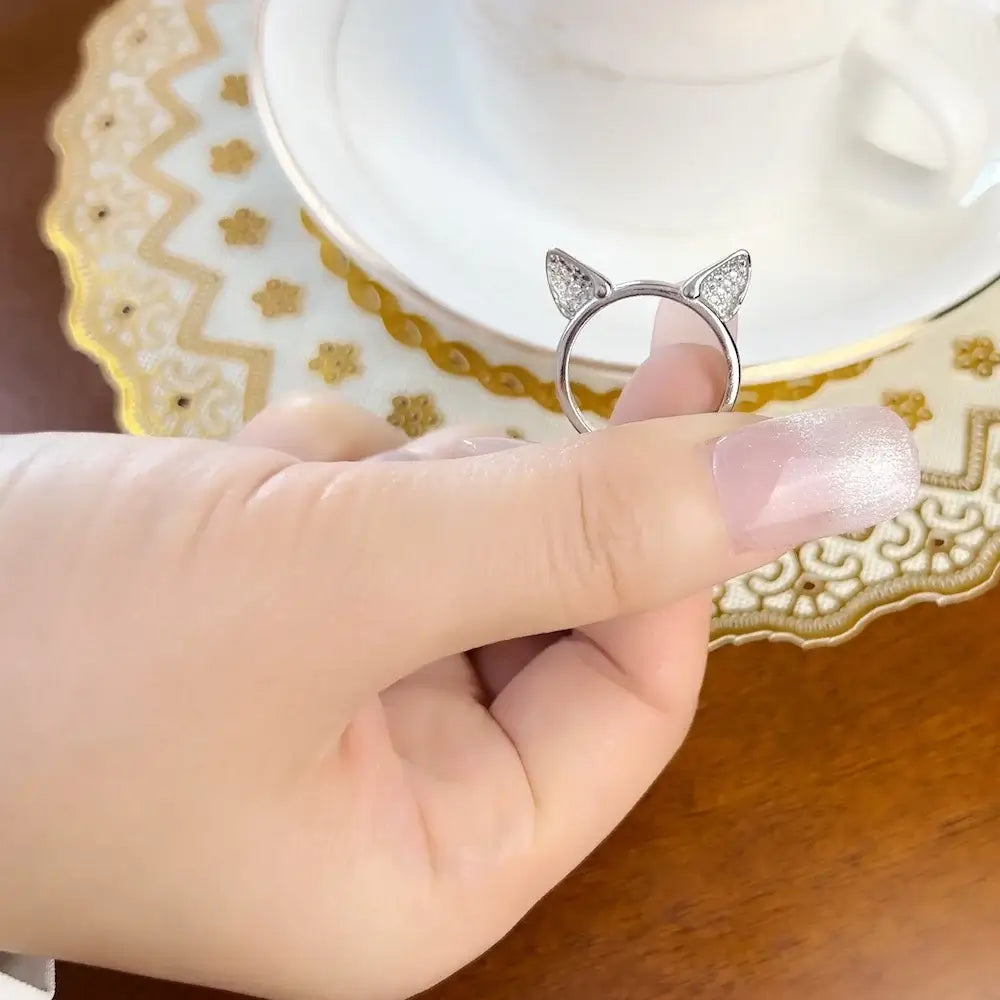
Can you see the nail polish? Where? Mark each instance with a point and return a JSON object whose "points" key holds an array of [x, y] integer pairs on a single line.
{"points": [[809, 475]]}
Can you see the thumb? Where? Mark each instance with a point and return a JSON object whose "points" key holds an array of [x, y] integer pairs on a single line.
{"points": [[543, 539]]}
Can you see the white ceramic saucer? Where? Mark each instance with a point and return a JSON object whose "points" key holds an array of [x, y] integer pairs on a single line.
{"points": [[360, 103]]}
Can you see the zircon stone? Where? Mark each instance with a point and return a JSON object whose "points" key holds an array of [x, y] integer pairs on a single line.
{"points": [[724, 287], [571, 284]]}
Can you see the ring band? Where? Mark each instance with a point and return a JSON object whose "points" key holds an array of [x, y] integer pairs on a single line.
{"points": [[580, 293]]}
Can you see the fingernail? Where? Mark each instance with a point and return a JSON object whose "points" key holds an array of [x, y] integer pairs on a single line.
{"points": [[685, 371], [446, 449], [677, 326], [792, 479]]}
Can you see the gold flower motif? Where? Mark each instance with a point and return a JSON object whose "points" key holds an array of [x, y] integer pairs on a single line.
{"points": [[235, 157], [245, 228], [236, 90], [279, 298], [415, 415], [978, 355], [336, 362], [911, 405]]}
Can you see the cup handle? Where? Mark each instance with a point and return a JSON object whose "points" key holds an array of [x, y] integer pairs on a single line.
{"points": [[886, 49]]}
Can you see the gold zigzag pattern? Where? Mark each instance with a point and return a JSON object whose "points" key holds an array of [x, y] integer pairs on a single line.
{"points": [[457, 358], [259, 360], [133, 414]]}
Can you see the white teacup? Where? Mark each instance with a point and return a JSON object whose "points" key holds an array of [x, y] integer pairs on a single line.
{"points": [[683, 114]]}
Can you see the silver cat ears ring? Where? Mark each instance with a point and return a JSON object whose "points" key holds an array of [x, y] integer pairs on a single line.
{"points": [[580, 293]]}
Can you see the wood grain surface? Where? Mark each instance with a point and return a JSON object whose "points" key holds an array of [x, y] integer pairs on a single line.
{"points": [[832, 827]]}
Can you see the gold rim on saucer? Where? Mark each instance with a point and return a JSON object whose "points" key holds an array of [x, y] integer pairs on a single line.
{"points": [[803, 366], [944, 384]]}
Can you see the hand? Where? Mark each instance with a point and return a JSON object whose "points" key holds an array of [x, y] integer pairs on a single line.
{"points": [[277, 718]]}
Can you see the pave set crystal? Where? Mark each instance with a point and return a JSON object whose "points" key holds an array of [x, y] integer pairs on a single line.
{"points": [[572, 284], [579, 292], [723, 287]]}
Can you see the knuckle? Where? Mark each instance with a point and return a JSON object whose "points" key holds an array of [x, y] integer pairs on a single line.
{"points": [[603, 538]]}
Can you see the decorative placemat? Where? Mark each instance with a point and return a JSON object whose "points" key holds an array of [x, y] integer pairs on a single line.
{"points": [[202, 289]]}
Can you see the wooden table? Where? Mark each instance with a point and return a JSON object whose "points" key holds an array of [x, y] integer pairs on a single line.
{"points": [[831, 829]]}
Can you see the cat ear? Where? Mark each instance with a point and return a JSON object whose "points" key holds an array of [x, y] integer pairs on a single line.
{"points": [[573, 285], [723, 286]]}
